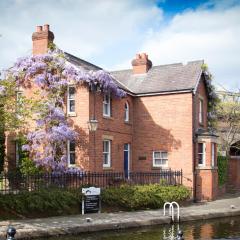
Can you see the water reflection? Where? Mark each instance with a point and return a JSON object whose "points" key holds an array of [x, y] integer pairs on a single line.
{"points": [[227, 228]]}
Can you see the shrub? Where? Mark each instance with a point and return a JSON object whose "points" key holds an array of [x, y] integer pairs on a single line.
{"points": [[143, 197], [222, 169], [49, 201]]}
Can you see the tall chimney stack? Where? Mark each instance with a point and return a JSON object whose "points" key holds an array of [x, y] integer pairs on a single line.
{"points": [[141, 64], [41, 39]]}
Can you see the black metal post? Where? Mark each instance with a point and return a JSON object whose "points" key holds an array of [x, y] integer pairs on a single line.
{"points": [[180, 235], [11, 231]]}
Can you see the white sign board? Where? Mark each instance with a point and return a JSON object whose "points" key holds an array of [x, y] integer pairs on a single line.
{"points": [[91, 202], [91, 191]]}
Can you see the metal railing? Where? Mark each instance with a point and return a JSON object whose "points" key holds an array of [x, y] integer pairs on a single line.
{"points": [[15, 183]]}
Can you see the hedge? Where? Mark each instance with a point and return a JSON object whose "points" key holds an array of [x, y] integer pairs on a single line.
{"points": [[49, 202], [144, 197], [222, 169]]}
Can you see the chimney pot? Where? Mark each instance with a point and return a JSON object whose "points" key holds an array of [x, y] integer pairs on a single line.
{"points": [[46, 27], [138, 56], [38, 28], [141, 64], [144, 56]]}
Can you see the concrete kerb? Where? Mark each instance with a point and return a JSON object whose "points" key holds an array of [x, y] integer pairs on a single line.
{"points": [[56, 226]]}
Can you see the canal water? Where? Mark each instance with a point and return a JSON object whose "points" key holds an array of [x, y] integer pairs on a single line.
{"points": [[227, 228]]}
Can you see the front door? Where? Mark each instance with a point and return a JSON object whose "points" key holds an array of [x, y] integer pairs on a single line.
{"points": [[126, 159]]}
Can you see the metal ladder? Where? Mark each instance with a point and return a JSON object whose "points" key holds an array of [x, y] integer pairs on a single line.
{"points": [[171, 210]]}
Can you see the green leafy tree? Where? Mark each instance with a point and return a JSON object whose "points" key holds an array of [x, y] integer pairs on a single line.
{"points": [[228, 121]]}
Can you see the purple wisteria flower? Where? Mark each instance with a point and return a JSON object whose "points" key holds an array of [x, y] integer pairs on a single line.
{"points": [[52, 73]]}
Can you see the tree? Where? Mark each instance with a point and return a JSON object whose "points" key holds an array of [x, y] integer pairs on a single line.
{"points": [[228, 120]]}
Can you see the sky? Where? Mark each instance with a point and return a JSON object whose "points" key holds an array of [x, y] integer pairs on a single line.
{"points": [[109, 33]]}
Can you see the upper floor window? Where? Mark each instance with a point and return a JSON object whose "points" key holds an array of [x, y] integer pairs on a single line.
{"points": [[213, 154], [201, 154], [200, 111], [106, 153], [160, 159], [126, 112], [71, 99], [71, 153], [19, 100], [107, 105]]}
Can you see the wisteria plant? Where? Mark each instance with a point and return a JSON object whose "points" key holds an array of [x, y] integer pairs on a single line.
{"points": [[48, 76]]}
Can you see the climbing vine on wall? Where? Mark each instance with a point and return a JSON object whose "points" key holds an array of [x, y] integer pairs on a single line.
{"points": [[213, 99], [51, 73]]}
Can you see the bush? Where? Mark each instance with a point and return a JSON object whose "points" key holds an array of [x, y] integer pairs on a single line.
{"points": [[48, 201], [222, 169], [143, 197]]}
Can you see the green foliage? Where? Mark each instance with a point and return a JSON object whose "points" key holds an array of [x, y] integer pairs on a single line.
{"points": [[143, 197], [222, 169], [26, 165], [50, 201]]}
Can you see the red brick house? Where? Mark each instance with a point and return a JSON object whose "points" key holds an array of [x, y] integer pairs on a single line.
{"points": [[161, 123]]}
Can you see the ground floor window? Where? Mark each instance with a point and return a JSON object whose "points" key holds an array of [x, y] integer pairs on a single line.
{"points": [[106, 153], [201, 154], [71, 153], [160, 159]]}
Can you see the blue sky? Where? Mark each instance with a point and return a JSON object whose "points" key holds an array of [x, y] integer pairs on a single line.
{"points": [[110, 32]]}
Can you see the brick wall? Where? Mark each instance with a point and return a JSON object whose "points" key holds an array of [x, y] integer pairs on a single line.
{"points": [[113, 128], [164, 123]]}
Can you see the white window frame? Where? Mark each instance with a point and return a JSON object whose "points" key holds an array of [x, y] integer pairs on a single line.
{"points": [[108, 104], [161, 158], [126, 112], [203, 154], [69, 154], [108, 164], [19, 95], [69, 99], [200, 117], [213, 154]]}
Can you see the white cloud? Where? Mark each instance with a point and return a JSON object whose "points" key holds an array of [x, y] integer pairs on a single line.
{"points": [[209, 34], [92, 29], [110, 32]]}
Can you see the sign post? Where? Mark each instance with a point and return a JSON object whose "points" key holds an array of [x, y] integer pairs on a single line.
{"points": [[91, 202]]}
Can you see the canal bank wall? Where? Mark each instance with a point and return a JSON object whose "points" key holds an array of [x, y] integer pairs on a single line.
{"points": [[76, 224]]}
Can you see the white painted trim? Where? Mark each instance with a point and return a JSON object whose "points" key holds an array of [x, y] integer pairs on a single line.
{"points": [[108, 165], [108, 106], [68, 101], [153, 159], [204, 155], [68, 155], [126, 116], [213, 153]]}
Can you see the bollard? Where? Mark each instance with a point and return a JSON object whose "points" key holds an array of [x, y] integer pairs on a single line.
{"points": [[11, 233], [180, 235]]}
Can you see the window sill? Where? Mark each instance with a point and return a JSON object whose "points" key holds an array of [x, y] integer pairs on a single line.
{"points": [[206, 168], [128, 123], [160, 167], [108, 117], [72, 114], [107, 168]]}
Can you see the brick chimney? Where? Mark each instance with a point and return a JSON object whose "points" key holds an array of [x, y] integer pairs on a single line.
{"points": [[141, 64], [41, 39]]}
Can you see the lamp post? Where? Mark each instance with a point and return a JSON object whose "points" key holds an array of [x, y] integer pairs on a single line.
{"points": [[93, 123]]}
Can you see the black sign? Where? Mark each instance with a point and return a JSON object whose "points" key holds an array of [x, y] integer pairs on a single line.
{"points": [[91, 203]]}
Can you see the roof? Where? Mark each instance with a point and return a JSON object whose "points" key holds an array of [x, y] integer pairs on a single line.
{"points": [[162, 78], [80, 62], [159, 79]]}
